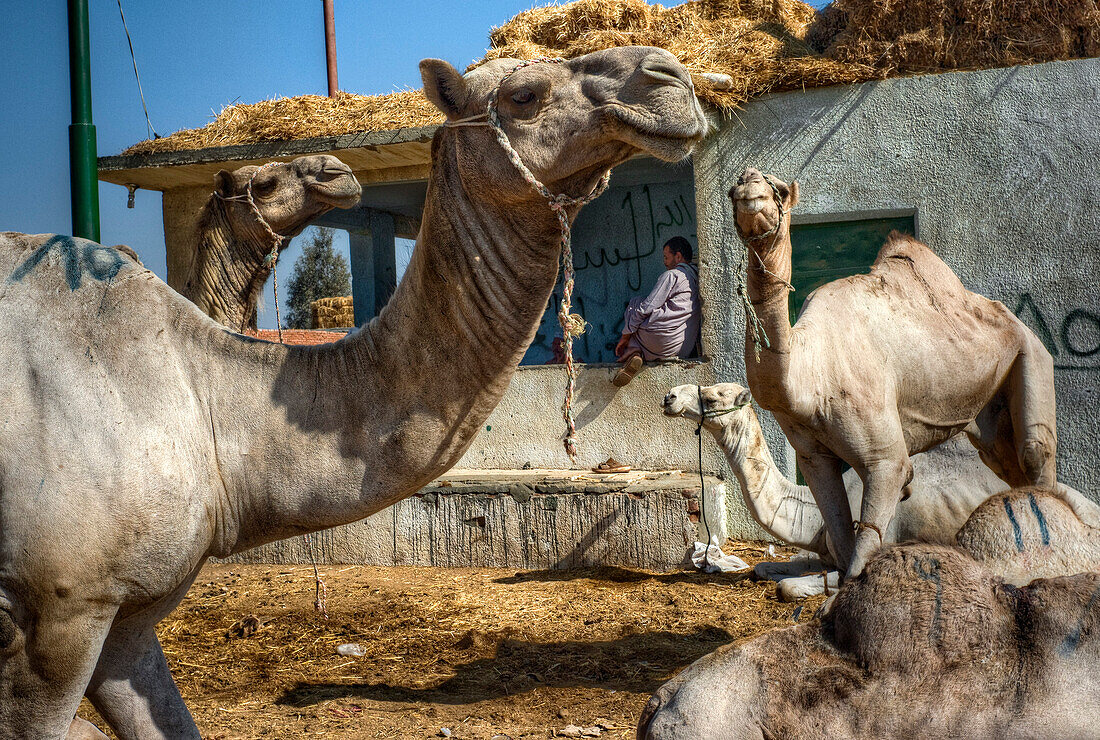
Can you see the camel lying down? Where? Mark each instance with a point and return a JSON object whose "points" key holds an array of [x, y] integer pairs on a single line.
{"points": [[926, 642], [949, 482]]}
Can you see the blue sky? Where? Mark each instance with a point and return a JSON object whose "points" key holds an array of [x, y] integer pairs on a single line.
{"points": [[196, 57]]}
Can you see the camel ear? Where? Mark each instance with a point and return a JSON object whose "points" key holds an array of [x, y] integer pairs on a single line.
{"points": [[223, 184], [744, 398], [792, 199], [444, 86]]}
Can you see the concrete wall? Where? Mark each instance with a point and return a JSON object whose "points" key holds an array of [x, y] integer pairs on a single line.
{"points": [[1000, 167]]}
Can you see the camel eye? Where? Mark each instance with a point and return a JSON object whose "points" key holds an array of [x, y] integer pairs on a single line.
{"points": [[265, 187], [522, 97]]}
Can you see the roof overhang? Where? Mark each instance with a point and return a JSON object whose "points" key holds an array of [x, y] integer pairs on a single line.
{"points": [[375, 156]]}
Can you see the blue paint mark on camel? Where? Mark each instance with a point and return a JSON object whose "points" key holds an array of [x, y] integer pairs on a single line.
{"points": [[1015, 526], [80, 256], [1044, 531]]}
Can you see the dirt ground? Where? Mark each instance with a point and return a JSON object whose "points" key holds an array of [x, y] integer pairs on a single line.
{"points": [[484, 653]]}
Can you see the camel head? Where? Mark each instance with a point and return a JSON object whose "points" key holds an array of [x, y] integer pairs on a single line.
{"points": [[568, 121], [724, 404], [760, 209], [288, 196]]}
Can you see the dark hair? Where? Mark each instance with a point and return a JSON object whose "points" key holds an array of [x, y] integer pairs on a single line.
{"points": [[681, 246]]}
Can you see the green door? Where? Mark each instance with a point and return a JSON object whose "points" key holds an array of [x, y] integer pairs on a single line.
{"points": [[825, 252]]}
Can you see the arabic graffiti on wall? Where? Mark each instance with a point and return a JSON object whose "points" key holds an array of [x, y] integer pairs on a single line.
{"points": [[617, 242], [1070, 334]]}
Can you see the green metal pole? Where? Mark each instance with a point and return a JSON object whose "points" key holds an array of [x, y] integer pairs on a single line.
{"points": [[82, 150]]}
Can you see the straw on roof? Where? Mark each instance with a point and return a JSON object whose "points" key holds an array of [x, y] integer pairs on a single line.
{"points": [[763, 45]]}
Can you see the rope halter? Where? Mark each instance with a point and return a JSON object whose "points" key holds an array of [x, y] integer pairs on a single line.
{"points": [[571, 324], [276, 238]]}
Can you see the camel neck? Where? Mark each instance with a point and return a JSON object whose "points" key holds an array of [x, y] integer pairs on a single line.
{"points": [[371, 419], [784, 509], [228, 276], [768, 278]]}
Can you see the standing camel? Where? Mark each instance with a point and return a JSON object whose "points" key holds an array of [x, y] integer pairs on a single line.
{"points": [[138, 437], [884, 365], [949, 482], [230, 263]]}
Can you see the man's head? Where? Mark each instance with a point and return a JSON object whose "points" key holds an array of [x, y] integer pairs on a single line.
{"points": [[677, 251]]}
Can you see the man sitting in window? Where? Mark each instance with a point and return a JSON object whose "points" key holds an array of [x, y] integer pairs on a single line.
{"points": [[665, 324]]}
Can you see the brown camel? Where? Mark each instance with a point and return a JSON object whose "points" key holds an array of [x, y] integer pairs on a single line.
{"points": [[138, 437], [884, 365], [924, 643], [230, 263]]}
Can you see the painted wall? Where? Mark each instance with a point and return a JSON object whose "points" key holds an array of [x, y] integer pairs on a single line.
{"points": [[999, 167], [617, 241]]}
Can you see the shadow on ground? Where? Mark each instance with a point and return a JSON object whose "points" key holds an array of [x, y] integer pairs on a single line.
{"points": [[636, 663], [614, 574]]}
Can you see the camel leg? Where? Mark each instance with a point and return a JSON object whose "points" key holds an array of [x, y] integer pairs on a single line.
{"points": [[883, 483], [132, 687], [822, 472], [45, 664], [793, 589], [83, 730], [1034, 421], [790, 569]]}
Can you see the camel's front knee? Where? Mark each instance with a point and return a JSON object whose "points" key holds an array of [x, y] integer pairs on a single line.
{"points": [[1037, 461]]}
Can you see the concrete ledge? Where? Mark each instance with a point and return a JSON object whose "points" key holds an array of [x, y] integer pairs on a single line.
{"points": [[526, 519]]}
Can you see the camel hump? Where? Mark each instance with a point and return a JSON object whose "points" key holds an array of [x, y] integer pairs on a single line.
{"points": [[919, 608], [1017, 521]]}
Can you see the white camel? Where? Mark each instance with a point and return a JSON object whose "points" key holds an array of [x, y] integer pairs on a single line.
{"points": [[949, 482], [138, 437]]}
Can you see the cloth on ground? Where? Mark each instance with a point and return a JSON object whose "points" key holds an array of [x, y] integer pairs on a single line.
{"points": [[712, 560], [665, 323]]}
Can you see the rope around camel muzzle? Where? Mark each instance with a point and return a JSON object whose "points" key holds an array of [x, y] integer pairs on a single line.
{"points": [[572, 325]]}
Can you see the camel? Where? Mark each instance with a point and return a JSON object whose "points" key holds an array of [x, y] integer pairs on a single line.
{"points": [[231, 260], [925, 642], [1028, 533], [949, 483], [139, 437], [885, 365]]}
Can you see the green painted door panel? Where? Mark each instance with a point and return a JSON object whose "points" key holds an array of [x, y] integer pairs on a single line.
{"points": [[825, 252]]}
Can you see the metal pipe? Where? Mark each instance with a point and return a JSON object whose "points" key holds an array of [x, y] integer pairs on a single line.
{"points": [[330, 48], [83, 172]]}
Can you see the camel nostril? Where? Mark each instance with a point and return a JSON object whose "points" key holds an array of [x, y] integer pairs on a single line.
{"points": [[664, 72]]}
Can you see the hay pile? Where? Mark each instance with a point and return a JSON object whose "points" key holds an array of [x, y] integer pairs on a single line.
{"points": [[760, 44], [332, 313], [931, 35], [301, 117], [763, 45]]}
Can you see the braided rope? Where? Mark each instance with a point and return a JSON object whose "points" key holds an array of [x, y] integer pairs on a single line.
{"points": [[571, 324], [276, 242]]}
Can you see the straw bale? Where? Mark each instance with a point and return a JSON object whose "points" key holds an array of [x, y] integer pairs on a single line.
{"points": [[930, 35], [300, 117], [334, 312], [762, 45]]}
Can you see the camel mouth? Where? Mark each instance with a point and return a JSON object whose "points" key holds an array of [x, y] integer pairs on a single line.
{"points": [[671, 142], [343, 192]]}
